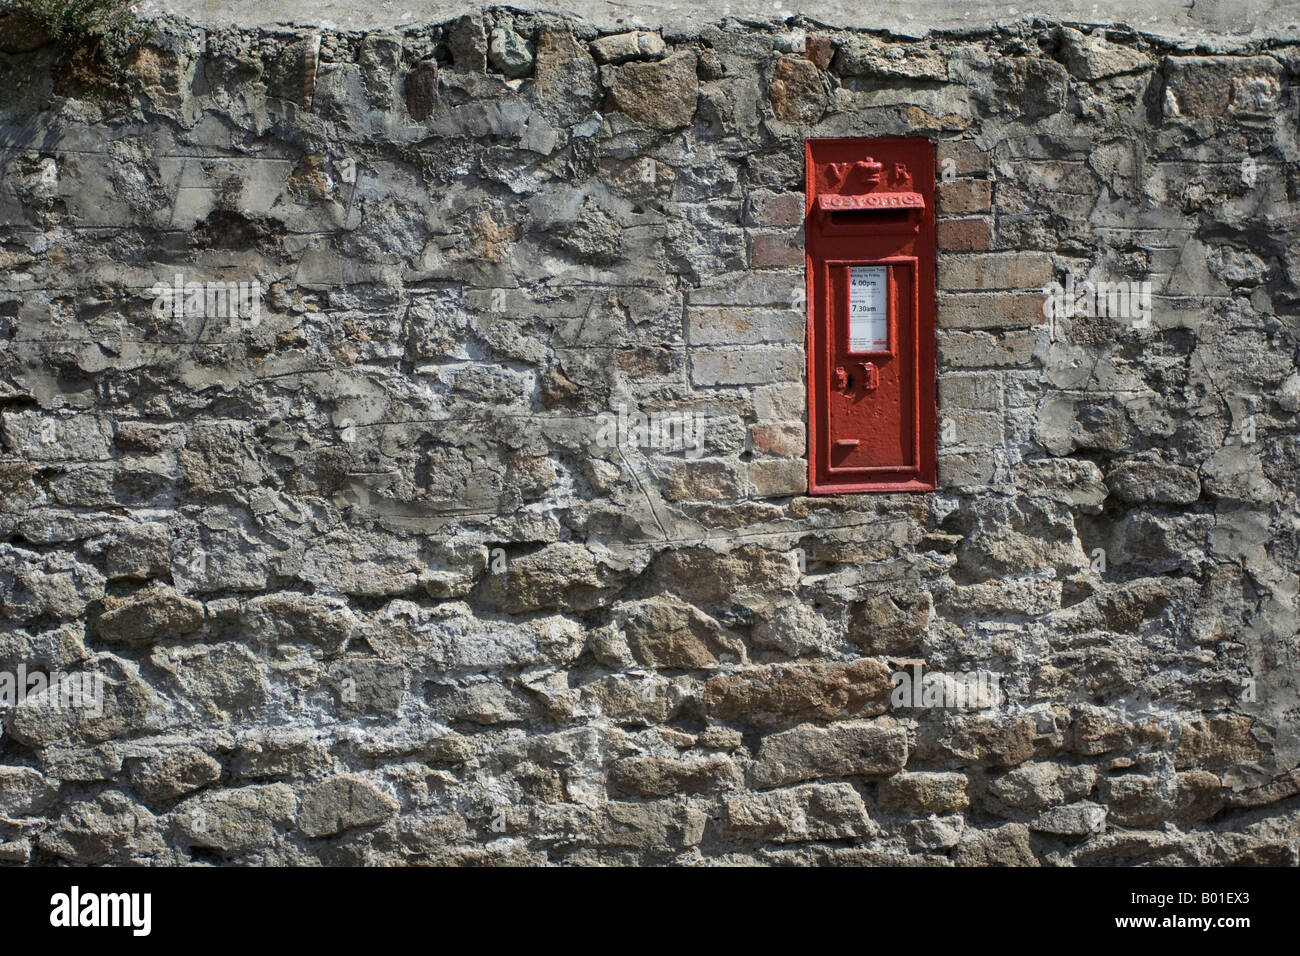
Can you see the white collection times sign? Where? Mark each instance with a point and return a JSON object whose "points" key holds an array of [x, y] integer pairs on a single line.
{"points": [[868, 308]]}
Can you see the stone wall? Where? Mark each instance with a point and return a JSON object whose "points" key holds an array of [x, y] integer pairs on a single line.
{"points": [[368, 575]]}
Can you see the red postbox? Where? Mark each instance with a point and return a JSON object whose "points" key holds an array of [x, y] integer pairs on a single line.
{"points": [[869, 236]]}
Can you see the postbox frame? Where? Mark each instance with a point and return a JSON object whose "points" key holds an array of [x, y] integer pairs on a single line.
{"points": [[907, 219]]}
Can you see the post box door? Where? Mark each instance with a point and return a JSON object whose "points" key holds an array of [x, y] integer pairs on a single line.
{"points": [[870, 252]]}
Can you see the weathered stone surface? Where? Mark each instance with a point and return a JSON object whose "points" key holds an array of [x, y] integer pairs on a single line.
{"points": [[964, 196], [797, 90], [1220, 744], [995, 271], [1092, 57], [1076, 819], [1034, 786], [665, 632], [1198, 86], [1005, 846], [343, 803], [237, 820], [1136, 800], [865, 56], [139, 552], [831, 811], [369, 582], [650, 826], [704, 576], [368, 686], [663, 777], [169, 774], [972, 234], [163, 74], [777, 479], [706, 480], [224, 682], [889, 623], [749, 367], [25, 791], [560, 575], [849, 749], [117, 708], [1148, 481], [1099, 732], [298, 618], [109, 828], [292, 74], [59, 649], [299, 753], [566, 82], [793, 693], [509, 53], [989, 741], [925, 792], [721, 326], [660, 95], [467, 40], [819, 50], [934, 833], [1031, 86], [635, 45], [154, 614]]}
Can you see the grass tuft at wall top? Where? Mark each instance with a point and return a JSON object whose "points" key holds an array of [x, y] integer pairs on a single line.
{"points": [[101, 27]]}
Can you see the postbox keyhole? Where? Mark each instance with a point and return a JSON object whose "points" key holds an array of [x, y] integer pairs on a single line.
{"points": [[844, 379]]}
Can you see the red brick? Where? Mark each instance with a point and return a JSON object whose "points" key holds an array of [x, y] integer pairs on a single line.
{"points": [[967, 158], [702, 481], [999, 270], [964, 350], [996, 310], [774, 250], [776, 209], [778, 477], [964, 235], [965, 195], [784, 439]]}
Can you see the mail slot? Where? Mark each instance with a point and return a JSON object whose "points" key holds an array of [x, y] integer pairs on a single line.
{"points": [[869, 235]]}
